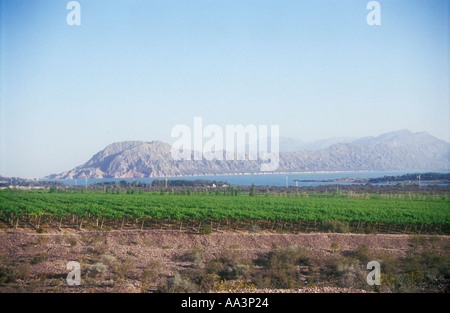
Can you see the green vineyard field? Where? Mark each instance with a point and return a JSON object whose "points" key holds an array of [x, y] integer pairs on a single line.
{"points": [[152, 209]]}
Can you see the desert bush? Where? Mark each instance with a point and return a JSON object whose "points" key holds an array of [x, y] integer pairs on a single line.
{"points": [[428, 257], [59, 239], [208, 282], [206, 230], [230, 255], [224, 285], [205, 275], [401, 283], [294, 255], [40, 257], [335, 227], [108, 259], [95, 270], [214, 267], [240, 271], [72, 241], [123, 269], [363, 254], [335, 246], [147, 242], [91, 239], [150, 274], [283, 277], [254, 228], [280, 268], [427, 262], [204, 278], [417, 242], [390, 265], [42, 239], [177, 284], [228, 265], [11, 272], [22, 270], [41, 230], [413, 263], [328, 266], [351, 274], [196, 255], [432, 264], [98, 249]]}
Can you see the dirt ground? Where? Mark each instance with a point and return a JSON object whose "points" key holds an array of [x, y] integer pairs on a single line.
{"points": [[43, 257]]}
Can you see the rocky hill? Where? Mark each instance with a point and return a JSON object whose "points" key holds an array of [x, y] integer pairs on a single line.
{"points": [[396, 151]]}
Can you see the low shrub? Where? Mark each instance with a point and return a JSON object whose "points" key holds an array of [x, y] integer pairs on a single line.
{"points": [[40, 257], [108, 259], [351, 274], [230, 255], [335, 246], [41, 230], [224, 285], [123, 269], [95, 270], [149, 275], [335, 227], [240, 270], [206, 230], [72, 241], [254, 229], [42, 239], [280, 268], [196, 255], [11, 272], [363, 254], [91, 239], [177, 284]]}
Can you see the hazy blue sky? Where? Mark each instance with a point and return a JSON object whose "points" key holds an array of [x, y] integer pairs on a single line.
{"points": [[134, 69]]}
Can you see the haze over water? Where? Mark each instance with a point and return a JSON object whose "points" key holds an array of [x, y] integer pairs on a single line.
{"points": [[278, 180]]}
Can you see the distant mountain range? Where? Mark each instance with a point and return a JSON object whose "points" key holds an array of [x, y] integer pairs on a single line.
{"points": [[294, 144], [395, 151]]}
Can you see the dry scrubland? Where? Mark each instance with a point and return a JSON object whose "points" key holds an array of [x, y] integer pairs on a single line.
{"points": [[174, 261]]}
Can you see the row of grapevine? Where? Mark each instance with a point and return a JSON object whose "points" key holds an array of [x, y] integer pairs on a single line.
{"points": [[32, 206]]}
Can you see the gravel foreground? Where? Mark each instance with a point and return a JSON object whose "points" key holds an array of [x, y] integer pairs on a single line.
{"points": [[48, 254]]}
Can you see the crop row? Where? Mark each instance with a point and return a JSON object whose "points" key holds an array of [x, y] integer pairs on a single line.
{"points": [[205, 207]]}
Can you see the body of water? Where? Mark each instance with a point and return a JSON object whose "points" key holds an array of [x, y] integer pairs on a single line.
{"points": [[279, 180]]}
